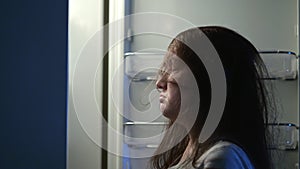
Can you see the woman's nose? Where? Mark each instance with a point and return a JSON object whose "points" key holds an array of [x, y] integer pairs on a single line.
{"points": [[161, 85]]}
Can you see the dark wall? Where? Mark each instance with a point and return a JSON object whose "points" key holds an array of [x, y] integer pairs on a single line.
{"points": [[33, 85]]}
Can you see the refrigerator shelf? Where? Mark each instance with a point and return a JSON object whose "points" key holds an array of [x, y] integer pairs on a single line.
{"points": [[140, 135], [143, 134], [143, 66], [286, 137], [144, 123], [280, 64]]}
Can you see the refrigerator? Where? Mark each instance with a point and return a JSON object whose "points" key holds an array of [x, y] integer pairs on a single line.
{"points": [[116, 48]]}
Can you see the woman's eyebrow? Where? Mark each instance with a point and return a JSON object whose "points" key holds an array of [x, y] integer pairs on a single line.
{"points": [[163, 71]]}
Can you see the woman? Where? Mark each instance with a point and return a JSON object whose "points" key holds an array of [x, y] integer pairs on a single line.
{"points": [[240, 139]]}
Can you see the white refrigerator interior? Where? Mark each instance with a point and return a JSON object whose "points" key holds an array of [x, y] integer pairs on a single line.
{"points": [[272, 26]]}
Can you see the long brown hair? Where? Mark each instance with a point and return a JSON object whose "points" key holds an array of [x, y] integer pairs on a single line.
{"points": [[247, 102]]}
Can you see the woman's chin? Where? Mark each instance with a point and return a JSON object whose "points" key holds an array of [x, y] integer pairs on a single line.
{"points": [[167, 112], [164, 111], [168, 115], [162, 107]]}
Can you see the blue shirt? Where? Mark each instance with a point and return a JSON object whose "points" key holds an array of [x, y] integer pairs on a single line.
{"points": [[223, 155]]}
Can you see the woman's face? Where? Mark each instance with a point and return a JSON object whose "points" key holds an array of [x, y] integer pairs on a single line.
{"points": [[179, 94], [170, 98]]}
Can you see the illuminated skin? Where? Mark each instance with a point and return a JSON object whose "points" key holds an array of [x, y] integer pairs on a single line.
{"points": [[169, 96], [178, 91]]}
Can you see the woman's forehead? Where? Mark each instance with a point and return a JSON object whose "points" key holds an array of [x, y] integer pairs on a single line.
{"points": [[172, 63], [173, 67]]}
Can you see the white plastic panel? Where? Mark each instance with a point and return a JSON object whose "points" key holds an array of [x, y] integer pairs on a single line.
{"points": [[83, 130], [268, 24]]}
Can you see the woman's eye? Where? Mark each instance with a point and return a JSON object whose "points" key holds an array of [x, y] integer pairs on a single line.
{"points": [[171, 80]]}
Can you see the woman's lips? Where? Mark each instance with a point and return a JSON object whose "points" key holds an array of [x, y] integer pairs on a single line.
{"points": [[162, 98]]}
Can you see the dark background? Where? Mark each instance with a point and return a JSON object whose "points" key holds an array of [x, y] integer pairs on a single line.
{"points": [[33, 88]]}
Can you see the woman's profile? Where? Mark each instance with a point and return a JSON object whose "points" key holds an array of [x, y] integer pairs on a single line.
{"points": [[241, 138]]}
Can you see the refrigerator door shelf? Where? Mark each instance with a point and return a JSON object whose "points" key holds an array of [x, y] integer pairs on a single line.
{"points": [[286, 136], [143, 134], [280, 64], [143, 66]]}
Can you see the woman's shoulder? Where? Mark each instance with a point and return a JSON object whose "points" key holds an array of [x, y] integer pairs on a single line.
{"points": [[225, 155]]}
